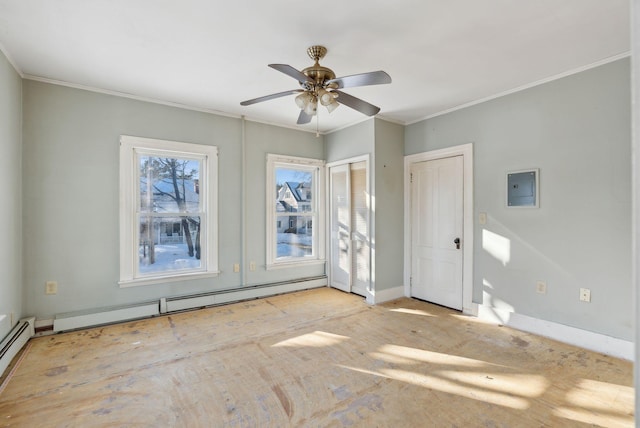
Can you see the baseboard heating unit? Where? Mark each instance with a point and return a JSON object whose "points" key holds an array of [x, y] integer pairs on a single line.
{"points": [[173, 304], [102, 316], [15, 340], [76, 320]]}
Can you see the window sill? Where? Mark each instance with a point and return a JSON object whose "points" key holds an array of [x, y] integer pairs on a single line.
{"points": [[165, 279], [294, 264]]}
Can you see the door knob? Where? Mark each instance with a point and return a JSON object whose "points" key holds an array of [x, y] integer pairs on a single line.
{"points": [[457, 242]]}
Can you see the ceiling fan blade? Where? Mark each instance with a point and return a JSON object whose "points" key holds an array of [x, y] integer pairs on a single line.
{"points": [[357, 104], [290, 71], [364, 79], [270, 97], [303, 118]]}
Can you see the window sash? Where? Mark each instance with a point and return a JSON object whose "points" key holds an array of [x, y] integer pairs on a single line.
{"points": [[201, 159], [315, 213], [132, 148]]}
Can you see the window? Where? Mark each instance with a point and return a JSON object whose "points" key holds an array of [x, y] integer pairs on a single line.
{"points": [[295, 208], [168, 211]]}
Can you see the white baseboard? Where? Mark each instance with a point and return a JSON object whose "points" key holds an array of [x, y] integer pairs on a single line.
{"points": [[574, 336], [381, 296]]}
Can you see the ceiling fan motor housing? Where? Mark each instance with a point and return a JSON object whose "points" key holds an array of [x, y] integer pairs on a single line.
{"points": [[320, 86], [317, 72]]}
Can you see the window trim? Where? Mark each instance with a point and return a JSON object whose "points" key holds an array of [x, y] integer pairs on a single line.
{"points": [[129, 190], [281, 161]]}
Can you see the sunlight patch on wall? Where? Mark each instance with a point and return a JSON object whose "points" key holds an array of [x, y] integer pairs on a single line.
{"points": [[493, 309], [317, 339], [497, 245], [490, 300]]}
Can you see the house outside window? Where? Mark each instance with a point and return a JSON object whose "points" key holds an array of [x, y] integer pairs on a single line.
{"points": [[295, 204], [168, 211]]}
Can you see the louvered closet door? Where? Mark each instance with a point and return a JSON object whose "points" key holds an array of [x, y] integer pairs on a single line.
{"points": [[360, 250], [340, 268]]}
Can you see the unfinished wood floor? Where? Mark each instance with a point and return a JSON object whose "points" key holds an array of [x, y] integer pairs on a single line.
{"points": [[314, 358]]}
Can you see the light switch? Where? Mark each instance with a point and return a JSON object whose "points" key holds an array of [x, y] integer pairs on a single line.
{"points": [[482, 218]]}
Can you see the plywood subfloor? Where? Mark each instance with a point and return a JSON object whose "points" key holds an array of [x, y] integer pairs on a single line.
{"points": [[314, 358]]}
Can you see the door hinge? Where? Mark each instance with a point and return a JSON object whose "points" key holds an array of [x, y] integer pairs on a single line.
{"points": [[410, 281], [411, 178]]}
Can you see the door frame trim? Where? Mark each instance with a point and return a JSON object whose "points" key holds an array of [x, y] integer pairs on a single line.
{"points": [[466, 151]]}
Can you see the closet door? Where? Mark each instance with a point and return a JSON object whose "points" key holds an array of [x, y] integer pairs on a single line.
{"points": [[340, 248], [360, 250], [350, 268]]}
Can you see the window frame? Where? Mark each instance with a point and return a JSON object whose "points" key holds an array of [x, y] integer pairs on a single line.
{"points": [[316, 166], [130, 147]]}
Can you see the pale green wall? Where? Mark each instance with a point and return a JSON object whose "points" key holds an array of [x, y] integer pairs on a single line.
{"points": [[577, 131], [11, 179], [350, 142], [261, 140], [71, 189], [383, 141], [635, 114], [389, 205]]}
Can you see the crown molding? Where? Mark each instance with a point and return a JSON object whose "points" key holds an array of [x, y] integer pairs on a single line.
{"points": [[161, 102], [126, 95], [526, 86], [14, 64]]}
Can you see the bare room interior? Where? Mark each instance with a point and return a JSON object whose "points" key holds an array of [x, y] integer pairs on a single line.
{"points": [[418, 213]]}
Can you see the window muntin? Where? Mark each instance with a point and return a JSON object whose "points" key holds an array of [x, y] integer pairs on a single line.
{"points": [[168, 210], [293, 208]]}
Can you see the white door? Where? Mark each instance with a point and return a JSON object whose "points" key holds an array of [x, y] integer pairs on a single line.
{"points": [[349, 223], [360, 250], [436, 231], [340, 268]]}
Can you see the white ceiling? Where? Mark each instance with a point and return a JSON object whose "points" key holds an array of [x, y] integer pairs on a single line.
{"points": [[212, 54]]}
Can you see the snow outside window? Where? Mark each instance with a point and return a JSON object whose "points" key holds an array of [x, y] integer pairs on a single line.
{"points": [[295, 206], [168, 224]]}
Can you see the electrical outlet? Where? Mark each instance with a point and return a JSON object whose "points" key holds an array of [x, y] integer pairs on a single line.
{"points": [[236, 267], [252, 266], [51, 287], [541, 287], [585, 295]]}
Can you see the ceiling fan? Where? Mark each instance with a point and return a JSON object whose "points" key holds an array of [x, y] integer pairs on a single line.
{"points": [[320, 85]]}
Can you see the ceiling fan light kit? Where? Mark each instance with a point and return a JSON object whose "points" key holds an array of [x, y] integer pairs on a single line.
{"points": [[319, 84]]}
